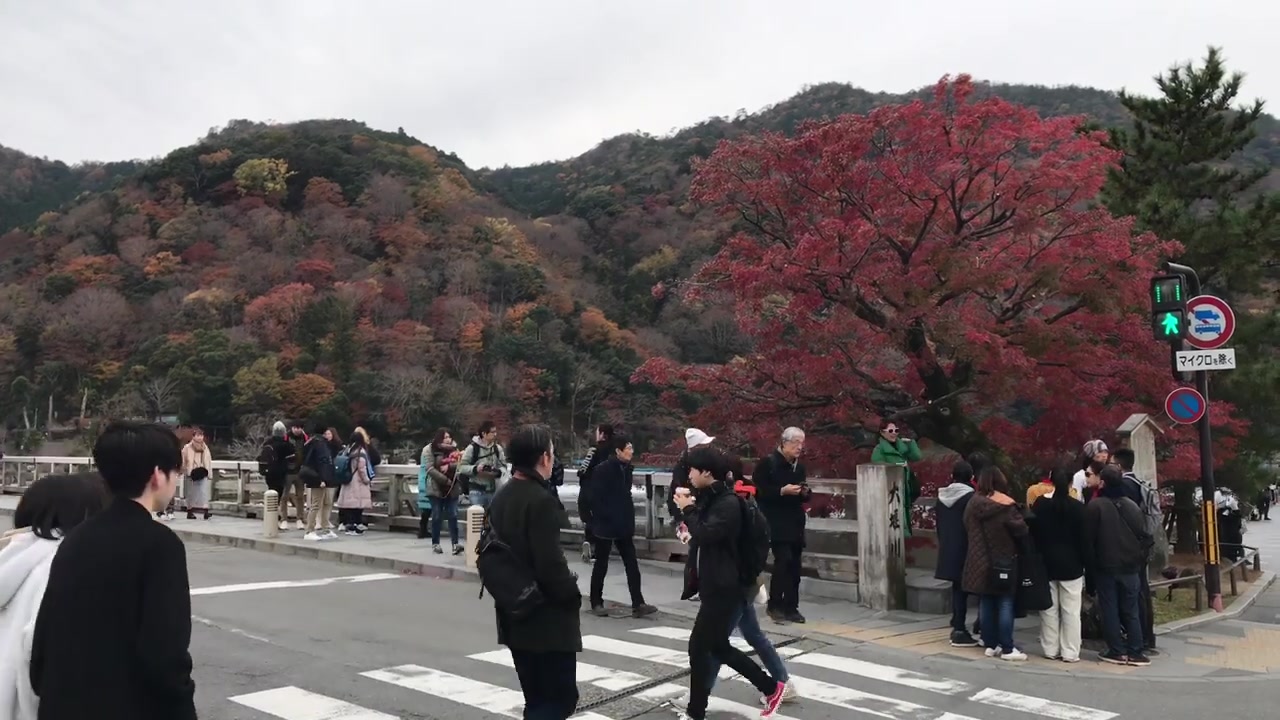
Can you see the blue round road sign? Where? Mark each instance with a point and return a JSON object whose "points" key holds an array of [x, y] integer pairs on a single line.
{"points": [[1185, 406]]}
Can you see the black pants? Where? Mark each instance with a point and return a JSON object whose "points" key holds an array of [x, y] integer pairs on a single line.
{"points": [[1146, 615], [626, 549], [424, 524], [959, 607], [784, 587], [549, 681], [710, 636], [350, 517]]}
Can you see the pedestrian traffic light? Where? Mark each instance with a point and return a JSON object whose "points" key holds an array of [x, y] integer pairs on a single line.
{"points": [[1169, 323], [1168, 307]]}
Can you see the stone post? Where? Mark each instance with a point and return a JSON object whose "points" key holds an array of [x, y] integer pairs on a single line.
{"points": [[882, 557], [1139, 433]]}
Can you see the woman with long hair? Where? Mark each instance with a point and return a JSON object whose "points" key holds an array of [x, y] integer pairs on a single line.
{"points": [[439, 480], [1057, 526], [357, 494], [49, 509], [994, 525]]}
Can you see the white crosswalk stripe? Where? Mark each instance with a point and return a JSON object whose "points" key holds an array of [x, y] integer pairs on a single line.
{"points": [[825, 682]]}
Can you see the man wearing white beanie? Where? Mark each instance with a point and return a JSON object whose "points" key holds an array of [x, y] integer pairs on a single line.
{"points": [[693, 437]]}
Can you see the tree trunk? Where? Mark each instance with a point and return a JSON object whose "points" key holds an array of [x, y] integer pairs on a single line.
{"points": [[84, 404], [1184, 517]]}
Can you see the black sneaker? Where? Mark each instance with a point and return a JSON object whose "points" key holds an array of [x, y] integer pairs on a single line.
{"points": [[1114, 658], [191, 515], [795, 617], [599, 611], [1151, 652], [777, 616], [1139, 660], [962, 639], [643, 610]]}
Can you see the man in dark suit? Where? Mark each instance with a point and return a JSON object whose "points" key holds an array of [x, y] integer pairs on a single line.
{"points": [[782, 491], [112, 636]]}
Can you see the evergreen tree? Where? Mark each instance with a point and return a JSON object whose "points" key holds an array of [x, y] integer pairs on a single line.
{"points": [[1174, 180]]}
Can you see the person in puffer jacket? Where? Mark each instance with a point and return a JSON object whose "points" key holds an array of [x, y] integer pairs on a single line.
{"points": [[953, 546], [49, 509]]}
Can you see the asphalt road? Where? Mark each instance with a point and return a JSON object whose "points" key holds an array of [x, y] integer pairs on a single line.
{"points": [[383, 647]]}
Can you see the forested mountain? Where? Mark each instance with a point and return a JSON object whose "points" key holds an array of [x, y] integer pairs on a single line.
{"points": [[328, 270]]}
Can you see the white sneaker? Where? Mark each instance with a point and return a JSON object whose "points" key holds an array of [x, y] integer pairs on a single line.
{"points": [[313, 536], [282, 526], [329, 534], [992, 652], [298, 525], [168, 517], [790, 693], [1014, 655]]}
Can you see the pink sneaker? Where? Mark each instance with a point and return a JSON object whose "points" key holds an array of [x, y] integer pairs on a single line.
{"points": [[772, 702]]}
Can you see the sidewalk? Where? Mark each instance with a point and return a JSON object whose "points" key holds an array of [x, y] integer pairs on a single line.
{"points": [[1221, 649]]}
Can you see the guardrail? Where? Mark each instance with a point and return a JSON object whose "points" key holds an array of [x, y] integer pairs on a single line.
{"points": [[1251, 556], [238, 488]]}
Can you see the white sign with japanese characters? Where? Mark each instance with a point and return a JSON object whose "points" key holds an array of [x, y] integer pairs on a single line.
{"points": [[1195, 360]]}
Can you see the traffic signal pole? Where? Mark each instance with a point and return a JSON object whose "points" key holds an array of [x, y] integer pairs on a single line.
{"points": [[1208, 488]]}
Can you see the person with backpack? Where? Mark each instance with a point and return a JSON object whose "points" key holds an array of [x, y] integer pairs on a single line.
{"points": [[353, 472], [746, 621], [1115, 531], [274, 461], [483, 464], [725, 561], [1148, 500], [318, 474], [614, 519], [536, 597], [782, 491]]}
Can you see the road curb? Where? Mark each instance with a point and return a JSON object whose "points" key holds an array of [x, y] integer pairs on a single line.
{"points": [[1236, 608]]}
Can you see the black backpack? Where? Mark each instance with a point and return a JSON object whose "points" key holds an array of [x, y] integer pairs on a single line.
{"points": [[753, 549], [267, 458], [508, 578]]}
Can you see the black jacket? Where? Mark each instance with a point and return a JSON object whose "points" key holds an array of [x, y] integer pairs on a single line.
{"points": [[1059, 534], [285, 458], [527, 516], [613, 512], [784, 512], [679, 479], [112, 635], [586, 470], [318, 456], [1112, 527], [953, 541], [715, 527]]}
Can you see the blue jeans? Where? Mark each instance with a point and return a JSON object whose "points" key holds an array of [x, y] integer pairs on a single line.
{"points": [[995, 612], [481, 498], [444, 507], [748, 625], [1118, 601]]}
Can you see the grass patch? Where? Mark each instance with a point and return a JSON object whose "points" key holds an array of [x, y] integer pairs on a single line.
{"points": [[1183, 603]]}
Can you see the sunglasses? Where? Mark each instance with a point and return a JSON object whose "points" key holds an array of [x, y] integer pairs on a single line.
{"points": [[891, 431]]}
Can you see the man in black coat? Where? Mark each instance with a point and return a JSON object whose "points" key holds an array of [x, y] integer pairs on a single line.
{"points": [[782, 491], [527, 516], [112, 635], [1115, 530], [953, 546], [714, 572]]}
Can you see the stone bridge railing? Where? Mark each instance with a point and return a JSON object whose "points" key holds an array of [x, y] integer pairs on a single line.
{"points": [[831, 557]]}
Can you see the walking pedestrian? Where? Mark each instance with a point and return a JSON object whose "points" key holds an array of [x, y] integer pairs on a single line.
{"points": [[112, 636], [601, 451], [714, 572], [782, 490], [613, 515], [544, 642]]}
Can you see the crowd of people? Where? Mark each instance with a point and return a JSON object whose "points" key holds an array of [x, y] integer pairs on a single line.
{"points": [[1085, 532]]}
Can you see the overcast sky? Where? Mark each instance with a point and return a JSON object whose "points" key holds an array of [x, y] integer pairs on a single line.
{"points": [[522, 81]]}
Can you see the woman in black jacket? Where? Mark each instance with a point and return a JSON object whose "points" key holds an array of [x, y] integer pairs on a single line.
{"points": [[613, 519], [602, 451], [1057, 526]]}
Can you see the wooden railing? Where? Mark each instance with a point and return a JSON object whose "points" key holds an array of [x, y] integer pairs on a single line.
{"points": [[1250, 557]]}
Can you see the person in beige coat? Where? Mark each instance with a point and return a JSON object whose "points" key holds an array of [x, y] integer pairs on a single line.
{"points": [[197, 467], [356, 496]]}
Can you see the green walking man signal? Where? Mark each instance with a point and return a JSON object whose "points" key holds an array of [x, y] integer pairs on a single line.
{"points": [[1168, 307]]}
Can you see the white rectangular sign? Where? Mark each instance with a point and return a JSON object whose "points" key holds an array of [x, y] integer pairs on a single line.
{"points": [[1194, 360]]}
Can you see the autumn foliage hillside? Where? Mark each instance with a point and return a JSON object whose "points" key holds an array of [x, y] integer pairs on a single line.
{"points": [[320, 270]]}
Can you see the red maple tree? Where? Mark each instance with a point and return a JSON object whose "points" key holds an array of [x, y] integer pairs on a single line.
{"points": [[942, 263]]}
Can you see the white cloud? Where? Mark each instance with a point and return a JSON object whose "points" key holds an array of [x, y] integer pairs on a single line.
{"points": [[509, 82]]}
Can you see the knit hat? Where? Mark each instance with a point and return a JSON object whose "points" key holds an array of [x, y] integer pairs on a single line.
{"points": [[1093, 447], [694, 437]]}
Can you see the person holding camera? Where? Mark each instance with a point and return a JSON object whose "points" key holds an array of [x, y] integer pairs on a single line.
{"points": [[782, 491], [482, 465]]}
